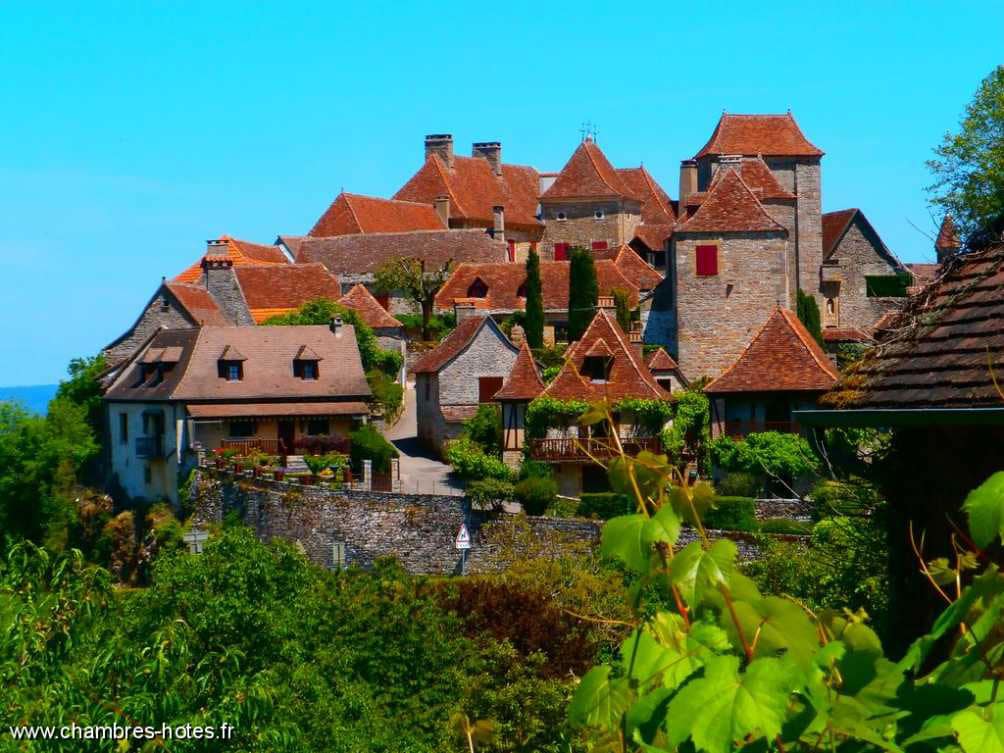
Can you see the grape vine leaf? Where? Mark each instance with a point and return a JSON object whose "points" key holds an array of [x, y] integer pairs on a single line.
{"points": [[697, 571], [985, 508], [981, 730], [598, 700]]}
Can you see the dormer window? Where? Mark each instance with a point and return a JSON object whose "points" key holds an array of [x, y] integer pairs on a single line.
{"points": [[598, 214], [596, 368], [305, 363], [232, 371], [477, 289]]}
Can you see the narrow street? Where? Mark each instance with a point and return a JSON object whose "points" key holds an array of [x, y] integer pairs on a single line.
{"points": [[421, 471]]}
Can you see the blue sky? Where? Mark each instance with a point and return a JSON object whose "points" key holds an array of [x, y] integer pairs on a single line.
{"points": [[132, 132]]}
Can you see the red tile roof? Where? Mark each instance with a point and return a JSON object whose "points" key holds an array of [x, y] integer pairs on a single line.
{"points": [[351, 213], [636, 269], [660, 360], [474, 189], [782, 357], [924, 274], [761, 180], [523, 382], [271, 290], [845, 335], [628, 376], [947, 239], [770, 135], [360, 300], [835, 224], [504, 281], [240, 253], [656, 206], [653, 236], [588, 174], [730, 206], [455, 343], [199, 304]]}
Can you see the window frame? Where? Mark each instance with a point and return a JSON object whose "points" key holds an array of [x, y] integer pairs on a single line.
{"points": [[562, 248]]}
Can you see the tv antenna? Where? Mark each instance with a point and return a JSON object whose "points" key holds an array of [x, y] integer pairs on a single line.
{"points": [[589, 131]]}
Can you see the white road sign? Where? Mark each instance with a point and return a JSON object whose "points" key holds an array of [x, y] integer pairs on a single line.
{"points": [[463, 537]]}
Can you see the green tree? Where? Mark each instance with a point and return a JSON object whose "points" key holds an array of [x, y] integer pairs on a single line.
{"points": [[84, 389], [583, 292], [622, 306], [417, 282], [808, 314], [534, 320], [969, 166]]}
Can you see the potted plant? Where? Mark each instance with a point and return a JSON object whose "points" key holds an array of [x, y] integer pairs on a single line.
{"points": [[279, 474]]}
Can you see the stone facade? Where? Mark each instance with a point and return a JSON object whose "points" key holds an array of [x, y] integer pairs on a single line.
{"points": [[162, 312], [581, 228], [221, 282]]}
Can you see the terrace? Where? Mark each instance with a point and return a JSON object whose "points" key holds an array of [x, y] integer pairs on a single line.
{"points": [[583, 450]]}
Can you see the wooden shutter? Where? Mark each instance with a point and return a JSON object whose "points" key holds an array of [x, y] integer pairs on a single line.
{"points": [[560, 251], [599, 245], [707, 261], [487, 387]]}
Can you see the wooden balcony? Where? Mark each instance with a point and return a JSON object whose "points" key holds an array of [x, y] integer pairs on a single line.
{"points": [[249, 446], [740, 429], [582, 450], [301, 446]]}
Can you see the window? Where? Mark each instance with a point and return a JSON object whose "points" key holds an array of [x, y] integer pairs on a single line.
{"points": [[123, 428], [487, 387], [600, 246], [598, 214], [477, 289], [561, 216], [561, 251], [887, 286], [595, 368], [384, 300], [232, 371], [242, 429], [707, 261], [666, 383], [306, 368], [317, 427], [153, 423]]}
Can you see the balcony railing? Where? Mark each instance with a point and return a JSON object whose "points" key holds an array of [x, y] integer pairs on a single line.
{"points": [[301, 446], [150, 448], [249, 446], [739, 429], [573, 450]]}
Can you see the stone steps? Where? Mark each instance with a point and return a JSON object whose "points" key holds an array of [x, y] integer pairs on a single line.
{"points": [[295, 464]]}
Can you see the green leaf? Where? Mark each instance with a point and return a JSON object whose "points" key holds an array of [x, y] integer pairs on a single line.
{"points": [[625, 538], [985, 507], [599, 701], [663, 526], [646, 659], [981, 730], [697, 571], [782, 626]]}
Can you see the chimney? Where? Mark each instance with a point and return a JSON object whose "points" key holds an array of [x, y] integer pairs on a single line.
{"points": [[221, 283], [606, 303], [491, 151], [441, 144], [443, 209], [464, 308], [688, 181], [498, 223], [336, 325]]}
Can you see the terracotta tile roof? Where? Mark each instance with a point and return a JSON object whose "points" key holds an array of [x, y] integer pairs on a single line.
{"points": [[761, 180], [653, 236], [291, 242], [454, 344], [628, 376], [268, 354], [361, 300], [924, 274], [835, 224], [942, 349], [781, 357], [239, 410], [656, 206], [239, 252], [636, 269], [474, 189], [523, 382], [504, 281], [770, 135], [588, 174], [846, 335], [660, 360], [351, 213], [197, 302], [365, 253], [270, 290], [948, 238], [730, 206]]}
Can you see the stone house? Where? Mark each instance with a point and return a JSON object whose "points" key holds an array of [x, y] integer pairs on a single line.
{"points": [[782, 370], [464, 371], [351, 213], [228, 387], [666, 371]]}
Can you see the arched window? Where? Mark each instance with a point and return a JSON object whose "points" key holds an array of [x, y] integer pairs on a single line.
{"points": [[477, 289]]}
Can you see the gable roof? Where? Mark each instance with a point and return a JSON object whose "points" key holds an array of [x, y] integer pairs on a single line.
{"points": [[271, 290], [361, 300], [943, 349], [835, 226], [656, 206], [761, 180], [198, 303], [771, 135], [948, 238], [730, 206], [653, 236], [523, 382], [351, 213], [239, 252], [781, 357], [660, 360], [504, 281], [636, 269], [474, 189], [628, 376], [365, 253], [588, 174], [456, 343]]}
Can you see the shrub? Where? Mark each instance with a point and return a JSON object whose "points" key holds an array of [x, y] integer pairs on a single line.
{"points": [[739, 484], [369, 444], [785, 525], [550, 373], [534, 469], [605, 505], [536, 494], [563, 507], [470, 462], [484, 429], [490, 491], [768, 453], [386, 391], [440, 325], [318, 463], [732, 514]]}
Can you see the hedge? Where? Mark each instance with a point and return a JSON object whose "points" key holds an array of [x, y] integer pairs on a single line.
{"points": [[369, 444], [605, 505], [732, 514]]}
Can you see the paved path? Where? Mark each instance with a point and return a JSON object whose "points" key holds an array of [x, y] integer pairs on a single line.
{"points": [[421, 471]]}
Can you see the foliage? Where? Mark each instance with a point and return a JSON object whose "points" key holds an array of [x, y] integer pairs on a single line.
{"points": [[470, 462], [650, 414], [715, 665], [332, 460], [808, 314], [785, 525], [370, 444], [849, 354], [732, 514], [534, 469], [605, 505], [691, 429], [484, 429], [550, 372], [622, 306], [411, 278], [534, 322], [969, 165], [440, 324], [544, 412], [490, 492], [84, 389], [583, 292], [387, 393], [769, 453], [552, 356], [738, 484], [536, 494]]}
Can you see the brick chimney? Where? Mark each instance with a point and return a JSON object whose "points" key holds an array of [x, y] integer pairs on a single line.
{"points": [[688, 181], [221, 283], [335, 325], [498, 223], [441, 144], [443, 209], [491, 151]]}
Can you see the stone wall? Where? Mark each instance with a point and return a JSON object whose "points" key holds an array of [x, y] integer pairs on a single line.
{"points": [[488, 355], [809, 241], [163, 311], [581, 228], [221, 282], [860, 254]]}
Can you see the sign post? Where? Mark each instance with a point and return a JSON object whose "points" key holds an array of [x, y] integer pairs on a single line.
{"points": [[463, 543]]}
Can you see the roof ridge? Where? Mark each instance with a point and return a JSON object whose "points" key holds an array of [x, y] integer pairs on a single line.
{"points": [[801, 332], [596, 167], [352, 211], [441, 168]]}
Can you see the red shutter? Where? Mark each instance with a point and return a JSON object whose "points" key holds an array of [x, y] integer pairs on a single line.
{"points": [[512, 250], [599, 245], [487, 387], [560, 251], [707, 260]]}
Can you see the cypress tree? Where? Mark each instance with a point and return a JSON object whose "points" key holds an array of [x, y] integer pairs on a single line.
{"points": [[534, 322], [808, 314], [583, 293]]}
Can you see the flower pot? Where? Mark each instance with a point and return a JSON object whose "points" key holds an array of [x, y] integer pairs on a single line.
{"points": [[279, 475]]}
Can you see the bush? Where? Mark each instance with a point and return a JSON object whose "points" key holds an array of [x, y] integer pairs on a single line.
{"points": [[470, 462], [785, 525], [318, 463], [732, 514], [605, 505], [768, 453], [534, 469], [484, 429], [536, 494], [550, 373], [369, 444], [490, 491], [440, 325], [563, 507], [386, 391], [739, 484]]}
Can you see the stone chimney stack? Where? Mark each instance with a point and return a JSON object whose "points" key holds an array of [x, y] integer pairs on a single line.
{"points": [[441, 144], [498, 223], [491, 151], [947, 243], [221, 283], [464, 308], [688, 181], [443, 209], [336, 325]]}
